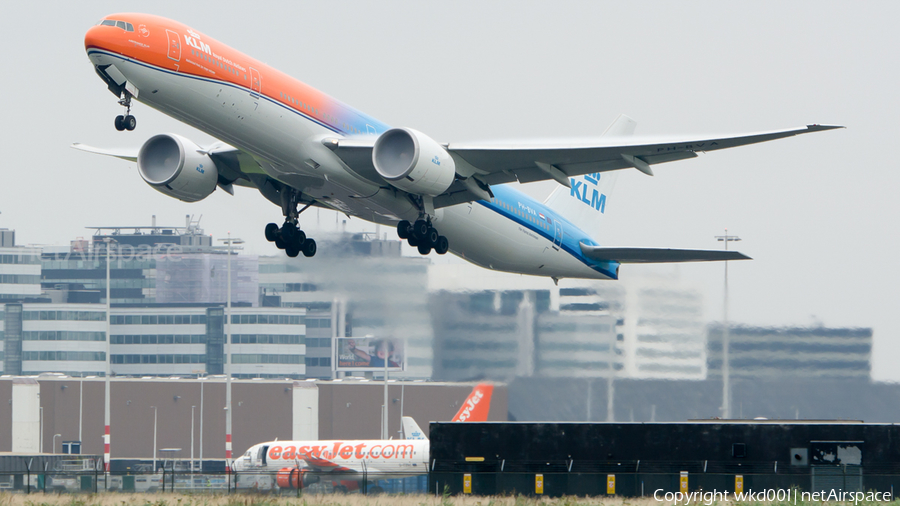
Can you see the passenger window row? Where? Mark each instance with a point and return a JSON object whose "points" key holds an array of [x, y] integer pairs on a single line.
{"points": [[217, 63]]}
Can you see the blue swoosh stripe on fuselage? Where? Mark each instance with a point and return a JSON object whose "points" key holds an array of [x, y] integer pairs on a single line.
{"points": [[367, 120], [572, 235]]}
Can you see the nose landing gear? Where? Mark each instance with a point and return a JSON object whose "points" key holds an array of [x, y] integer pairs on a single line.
{"points": [[423, 236], [126, 122]]}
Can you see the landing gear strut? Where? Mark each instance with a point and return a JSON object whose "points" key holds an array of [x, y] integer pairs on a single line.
{"points": [[126, 122], [289, 236], [423, 236]]}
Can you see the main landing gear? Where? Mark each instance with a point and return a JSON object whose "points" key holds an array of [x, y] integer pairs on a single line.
{"points": [[126, 122], [423, 236], [291, 239]]}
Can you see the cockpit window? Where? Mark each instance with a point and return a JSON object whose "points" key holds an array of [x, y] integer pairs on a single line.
{"points": [[128, 27]]}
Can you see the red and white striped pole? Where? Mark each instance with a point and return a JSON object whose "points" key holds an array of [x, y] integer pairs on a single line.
{"points": [[228, 367], [106, 448], [106, 435], [228, 371]]}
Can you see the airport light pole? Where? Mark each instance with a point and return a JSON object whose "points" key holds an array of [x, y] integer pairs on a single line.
{"points": [[106, 408], [384, 421], [192, 443], [230, 242], [202, 382], [726, 368], [154, 438], [80, 406]]}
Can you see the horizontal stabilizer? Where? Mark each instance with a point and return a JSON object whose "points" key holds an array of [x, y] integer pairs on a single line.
{"points": [[658, 255]]}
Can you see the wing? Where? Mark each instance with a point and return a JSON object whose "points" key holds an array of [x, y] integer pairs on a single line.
{"points": [[658, 255], [235, 166], [481, 165], [125, 154]]}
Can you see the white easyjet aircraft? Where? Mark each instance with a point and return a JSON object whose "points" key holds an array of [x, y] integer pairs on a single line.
{"points": [[347, 463], [299, 148]]}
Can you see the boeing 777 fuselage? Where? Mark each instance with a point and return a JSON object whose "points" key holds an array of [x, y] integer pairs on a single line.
{"points": [[302, 148]]}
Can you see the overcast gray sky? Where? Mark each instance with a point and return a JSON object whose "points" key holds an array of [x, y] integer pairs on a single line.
{"points": [[816, 212]]}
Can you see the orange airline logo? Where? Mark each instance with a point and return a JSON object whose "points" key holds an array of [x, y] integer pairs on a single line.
{"points": [[342, 450]]}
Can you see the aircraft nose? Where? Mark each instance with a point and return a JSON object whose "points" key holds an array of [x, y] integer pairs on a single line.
{"points": [[96, 36]]}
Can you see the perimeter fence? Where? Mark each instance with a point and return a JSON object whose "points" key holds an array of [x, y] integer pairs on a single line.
{"points": [[288, 481], [491, 477]]}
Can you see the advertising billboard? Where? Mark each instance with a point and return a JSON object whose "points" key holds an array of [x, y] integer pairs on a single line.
{"points": [[368, 354]]}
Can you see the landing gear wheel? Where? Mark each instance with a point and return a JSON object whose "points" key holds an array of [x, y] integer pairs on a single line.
{"points": [[292, 251], [288, 232], [424, 249], [420, 228], [120, 122], [300, 238], [431, 237], [309, 248], [279, 243], [375, 490], [442, 245], [130, 122], [412, 241], [339, 489], [271, 232], [403, 229]]}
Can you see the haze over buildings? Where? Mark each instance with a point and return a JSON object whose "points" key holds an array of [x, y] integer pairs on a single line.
{"points": [[457, 323]]}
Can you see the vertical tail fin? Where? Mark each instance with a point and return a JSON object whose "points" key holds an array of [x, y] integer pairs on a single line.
{"points": [[411, 429], [584, 203], [477, 405]]}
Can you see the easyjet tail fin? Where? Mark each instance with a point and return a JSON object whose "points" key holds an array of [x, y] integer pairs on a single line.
{"points": [[477, 405], [411, 429]]}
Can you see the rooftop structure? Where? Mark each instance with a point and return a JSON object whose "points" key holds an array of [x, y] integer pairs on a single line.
{"points": [[168, 265]]}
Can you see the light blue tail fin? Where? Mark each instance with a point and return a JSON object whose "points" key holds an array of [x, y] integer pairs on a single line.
{"points": [[586, 202], [411, 429]]}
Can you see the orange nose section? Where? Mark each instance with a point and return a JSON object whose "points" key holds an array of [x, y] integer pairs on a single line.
{"points": [[97, 36], [93, 37]]}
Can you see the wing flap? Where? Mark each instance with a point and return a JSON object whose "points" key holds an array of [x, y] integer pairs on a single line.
{"points": [[658, 255]]}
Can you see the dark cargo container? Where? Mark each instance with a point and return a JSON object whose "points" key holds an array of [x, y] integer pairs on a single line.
{"points": [[642, 458]]}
